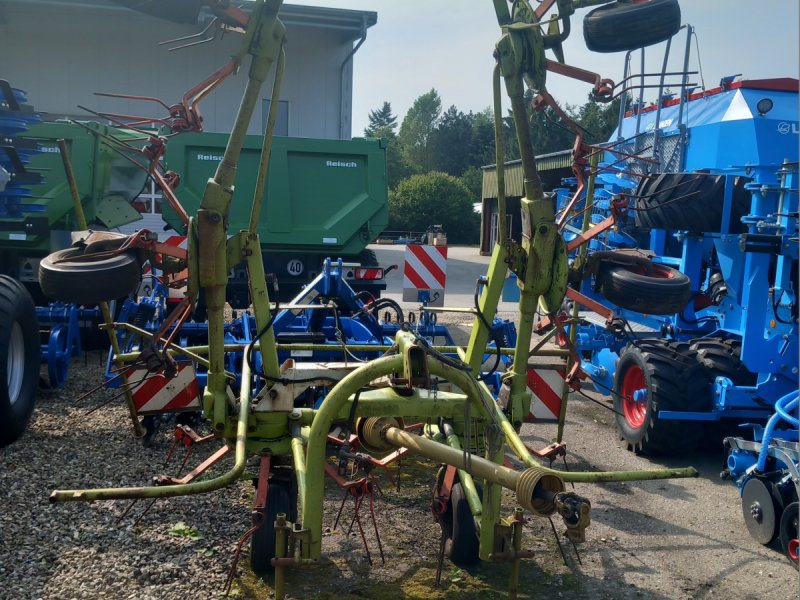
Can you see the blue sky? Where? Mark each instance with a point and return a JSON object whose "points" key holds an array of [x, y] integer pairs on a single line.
{"points": [[418, 45]]}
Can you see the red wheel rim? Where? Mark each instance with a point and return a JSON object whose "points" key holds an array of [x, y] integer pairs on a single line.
{"points": [[792, 549], [635, 411], [656, 271]]}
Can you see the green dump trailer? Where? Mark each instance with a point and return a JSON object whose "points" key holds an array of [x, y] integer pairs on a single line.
{"points": [[107, 184], [324, 198]]}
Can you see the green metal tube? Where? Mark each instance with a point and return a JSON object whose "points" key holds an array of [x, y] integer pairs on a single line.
{"points": [[502, 225], [299, 456], [317, 439], [199, 487], [467, 482], [518, 446], [266, 148]]}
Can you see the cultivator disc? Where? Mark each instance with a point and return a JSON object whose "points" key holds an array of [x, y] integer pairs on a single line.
{"points": [[759, 511]]}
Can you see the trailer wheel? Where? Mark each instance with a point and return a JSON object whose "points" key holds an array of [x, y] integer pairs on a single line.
{"points": [[663, 291], [626, 25], [88, 282], [652, 376], [262, 544], [19, 359], [789, 533], [463, 545], [689, 202]]}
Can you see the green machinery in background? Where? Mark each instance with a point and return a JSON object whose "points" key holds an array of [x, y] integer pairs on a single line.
{"points": [[323, 198]]}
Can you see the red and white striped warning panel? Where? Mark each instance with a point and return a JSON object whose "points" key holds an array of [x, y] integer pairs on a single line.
{"points": [[154, 393], [547, 384], [425, 269]]}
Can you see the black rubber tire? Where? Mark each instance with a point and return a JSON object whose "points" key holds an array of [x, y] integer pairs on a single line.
{"points": [[262, 544], [625, 25], [463, 545], [88, 282], [664, 291], [788, 530], [673, 378], [721, 357], [19, 359], [690, 202], [368, 258]]}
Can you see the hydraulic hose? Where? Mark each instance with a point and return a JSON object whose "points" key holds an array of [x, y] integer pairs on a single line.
{"points": [[782, 408]]}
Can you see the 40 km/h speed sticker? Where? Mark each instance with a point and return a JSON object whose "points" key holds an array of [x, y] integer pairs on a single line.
{"points": [[295, 267]]}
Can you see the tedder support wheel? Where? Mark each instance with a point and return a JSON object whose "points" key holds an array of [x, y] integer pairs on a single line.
{"points": [[463, 544], [262, 545], [19, 359], [662, 291], [89, 282], [690, 202], [652, 376], [629, 24], [789, 532]]}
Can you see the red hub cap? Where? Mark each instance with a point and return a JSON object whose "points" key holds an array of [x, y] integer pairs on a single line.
{"points": [[634, 409], [792, 549]]}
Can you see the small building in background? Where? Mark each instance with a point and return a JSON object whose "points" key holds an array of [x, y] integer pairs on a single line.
{"points": [[552, 169]]}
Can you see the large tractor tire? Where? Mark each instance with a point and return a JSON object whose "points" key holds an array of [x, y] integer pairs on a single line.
{"points": [[652, 376], [721, 358], [19, 359], [92, 282], [689, 202], [662, 291], [629, 24]]}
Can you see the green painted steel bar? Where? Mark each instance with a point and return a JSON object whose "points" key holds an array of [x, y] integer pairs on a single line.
{"points": [[502, 224], [259, 296], [171, 491], [331, 407], [266, 148], [490, 505], [518, 447], [582, 251], [299, 456], [77, 205], [467, 482], [318, 437], [264, 40], [479, 337]]}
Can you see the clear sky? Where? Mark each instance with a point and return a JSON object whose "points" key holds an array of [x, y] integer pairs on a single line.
{"points": [[417, 45]]}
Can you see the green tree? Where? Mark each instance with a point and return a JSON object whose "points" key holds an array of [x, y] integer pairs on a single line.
{"points": [[417, 129], [450, 142], [382, 123], [434, 198], [473, 181]]}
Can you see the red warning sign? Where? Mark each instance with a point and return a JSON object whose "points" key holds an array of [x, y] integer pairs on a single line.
{"points": [[425, 269], [153, 393]]}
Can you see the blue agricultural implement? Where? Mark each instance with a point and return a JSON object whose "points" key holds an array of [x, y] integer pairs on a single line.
{"points": [[685, 244]]}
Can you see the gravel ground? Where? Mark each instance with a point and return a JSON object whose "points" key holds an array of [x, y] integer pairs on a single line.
{"points": [[674, 539]]}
